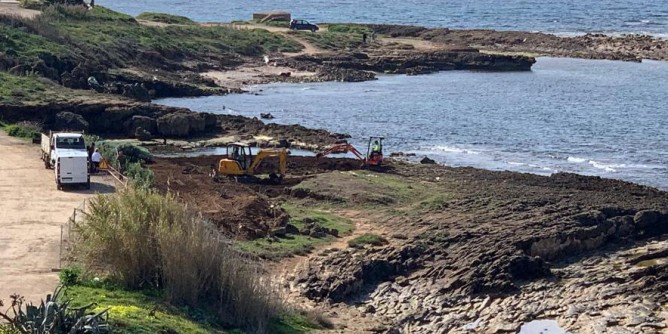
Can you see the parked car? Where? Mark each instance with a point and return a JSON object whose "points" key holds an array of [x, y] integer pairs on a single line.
{"points": [[303, 25]]}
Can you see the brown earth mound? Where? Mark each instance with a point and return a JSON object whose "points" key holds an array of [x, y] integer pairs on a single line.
{"points": [[243, 211]]}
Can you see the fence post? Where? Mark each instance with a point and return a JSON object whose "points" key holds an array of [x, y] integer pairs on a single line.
{"points": [[60, 257]]}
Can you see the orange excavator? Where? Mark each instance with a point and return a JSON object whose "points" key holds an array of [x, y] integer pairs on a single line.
{"points": [[373, 159]]}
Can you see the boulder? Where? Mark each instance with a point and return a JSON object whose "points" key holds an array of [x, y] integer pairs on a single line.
{"points": [[70, 121], [146, 123], [427, 160], [181, 124], [266, 116], [279, 232], [646, 218], [143, 135], [291, 229], [317, 234]]}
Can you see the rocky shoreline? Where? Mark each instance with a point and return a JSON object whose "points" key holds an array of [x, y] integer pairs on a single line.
{"points": [[498, 250]]}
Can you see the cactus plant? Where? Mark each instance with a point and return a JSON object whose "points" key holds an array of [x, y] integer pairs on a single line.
{"points": [[54, 316]]}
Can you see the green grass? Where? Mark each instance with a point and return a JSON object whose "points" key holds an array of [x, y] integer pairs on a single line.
{"points": [[165, 18], [296, 324], [136, 312], [349, 29], [298, 244], [331, 40], [63, 37], [280, 24], [14, 88], [367, 239]]}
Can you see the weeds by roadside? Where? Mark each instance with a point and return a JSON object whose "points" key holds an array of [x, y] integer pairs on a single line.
{"points": [[22, 129], [149, 240], [367, 239]]}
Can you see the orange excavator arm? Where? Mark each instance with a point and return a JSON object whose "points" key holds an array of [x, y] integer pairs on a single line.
{"points": [[341, 148]]}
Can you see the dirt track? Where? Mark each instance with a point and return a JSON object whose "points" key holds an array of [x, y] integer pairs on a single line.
{"points": [[33, 211]]}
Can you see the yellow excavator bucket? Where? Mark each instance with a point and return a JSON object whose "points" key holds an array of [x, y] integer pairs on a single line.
{"points": [[230, 167]]}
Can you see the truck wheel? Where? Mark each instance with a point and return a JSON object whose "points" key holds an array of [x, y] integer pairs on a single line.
{"points": [[88, 185], [59, 186]]}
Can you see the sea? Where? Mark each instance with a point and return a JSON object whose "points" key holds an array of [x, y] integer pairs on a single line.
{"points": [[564, 17], [592, 117]]}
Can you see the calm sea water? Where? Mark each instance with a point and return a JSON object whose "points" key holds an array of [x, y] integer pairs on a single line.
{"points": [[557, 16], [591, 117]]}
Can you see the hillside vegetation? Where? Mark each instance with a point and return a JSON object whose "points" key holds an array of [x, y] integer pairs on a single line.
{"points": [[68, 44]]}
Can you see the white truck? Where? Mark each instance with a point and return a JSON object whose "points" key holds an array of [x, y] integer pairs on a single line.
{"points": [[66, 153]]}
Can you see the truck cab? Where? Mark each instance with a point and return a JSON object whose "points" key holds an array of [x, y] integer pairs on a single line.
{"points": [[66, 153]]}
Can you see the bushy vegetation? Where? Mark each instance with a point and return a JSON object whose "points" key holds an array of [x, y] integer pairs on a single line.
{"points": [[14, 89], [350, 29], [130, 160], [367, 239], [165, 18], [147, 240], [74, 34], [22, 129], [331, 40]]}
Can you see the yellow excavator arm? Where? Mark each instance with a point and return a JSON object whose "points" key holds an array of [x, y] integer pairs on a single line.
{"points": [[282, 155]]}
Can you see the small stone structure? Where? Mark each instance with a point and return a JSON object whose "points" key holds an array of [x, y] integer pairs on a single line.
{"points": [[272, 16]]}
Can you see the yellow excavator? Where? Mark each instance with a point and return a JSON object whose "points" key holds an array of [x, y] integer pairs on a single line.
{"points": [[240, 164]]}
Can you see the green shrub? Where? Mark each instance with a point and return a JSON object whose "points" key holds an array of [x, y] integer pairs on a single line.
{"points": [[367, 239], [70, 276], [23, 129], [349, 28], [165, 18], [31, 4], [147, 240]]}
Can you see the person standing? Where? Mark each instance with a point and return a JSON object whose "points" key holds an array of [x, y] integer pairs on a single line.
{"points": [[364, 38], [96, 158]]}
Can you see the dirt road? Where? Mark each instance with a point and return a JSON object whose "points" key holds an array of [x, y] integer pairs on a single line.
{"points": [[32, 213], [11, 8]]}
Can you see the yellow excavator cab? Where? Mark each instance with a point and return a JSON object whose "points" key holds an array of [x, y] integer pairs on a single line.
{"points": [[239, 161]]}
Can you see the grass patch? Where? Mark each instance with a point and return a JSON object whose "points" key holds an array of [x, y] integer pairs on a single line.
{"points": [[165, 18], [435, 202], [14, 89], [137, 312], [367, 239], [367, 189], [64, 37], [279, 24], [331, 40], [298, 323], [298, 244], [358, 29]]}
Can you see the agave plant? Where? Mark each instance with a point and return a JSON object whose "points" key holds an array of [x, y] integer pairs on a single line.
{"points": [[54, 317]]}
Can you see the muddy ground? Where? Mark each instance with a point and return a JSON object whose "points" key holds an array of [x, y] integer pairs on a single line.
{"points": [[243, 211], [468, 249]]}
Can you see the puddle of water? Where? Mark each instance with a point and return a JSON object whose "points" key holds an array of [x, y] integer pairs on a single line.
{"points": [[542, 327], [222, 151]]}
